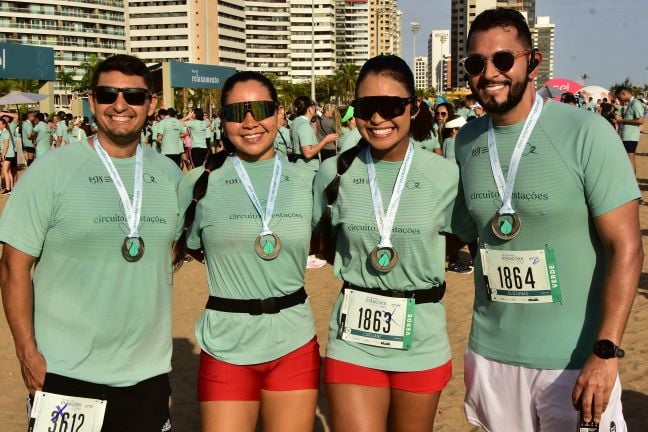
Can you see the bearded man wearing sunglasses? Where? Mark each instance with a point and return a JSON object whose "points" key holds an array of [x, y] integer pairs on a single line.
{"points": [[92, 327], [553, 201]]}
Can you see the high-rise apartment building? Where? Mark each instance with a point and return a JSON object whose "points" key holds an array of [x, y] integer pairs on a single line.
{"points": [[267, 34], [351, 31], [312, 38], [438, 50], [527, 7], [421, 73], [385, 24], [543, 38], [74, 29]]}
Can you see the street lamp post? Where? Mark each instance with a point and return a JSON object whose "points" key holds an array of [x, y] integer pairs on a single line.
{"points": [[415, 26], [313, 50], [443, 38]]}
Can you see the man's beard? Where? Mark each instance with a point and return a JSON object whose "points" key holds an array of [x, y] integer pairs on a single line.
{"points": [[515, 94]]}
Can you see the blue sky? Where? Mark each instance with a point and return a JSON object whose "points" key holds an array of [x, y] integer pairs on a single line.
{"points": [[606, 39]]}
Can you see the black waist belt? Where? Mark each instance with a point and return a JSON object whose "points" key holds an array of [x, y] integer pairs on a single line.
{"points": [[429, 295], [270, 305]]}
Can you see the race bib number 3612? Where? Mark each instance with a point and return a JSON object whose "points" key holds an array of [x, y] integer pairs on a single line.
{"points": [[377, 320], [521, 276], [53, 412]]}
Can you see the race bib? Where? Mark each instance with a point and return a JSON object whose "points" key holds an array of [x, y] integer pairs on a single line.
{"points": [[52, 412], [521, 276], [377, 320]]}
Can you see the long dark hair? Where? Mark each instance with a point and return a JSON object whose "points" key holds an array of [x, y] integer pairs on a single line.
{"points": [[324, 236], [213, 162]]}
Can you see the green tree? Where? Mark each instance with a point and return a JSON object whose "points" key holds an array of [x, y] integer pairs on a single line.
{"points": [[635, 90], [345, 80], [66, 79], [88, 68]]}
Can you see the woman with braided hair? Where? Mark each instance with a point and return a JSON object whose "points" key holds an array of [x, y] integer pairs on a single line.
{"points": [[248, 215], [380, 208]]}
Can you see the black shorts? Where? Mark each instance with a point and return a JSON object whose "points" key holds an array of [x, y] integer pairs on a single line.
{"points": [[630, 146], [177, 158], [12, 161], [143, 407], [31, 150]]}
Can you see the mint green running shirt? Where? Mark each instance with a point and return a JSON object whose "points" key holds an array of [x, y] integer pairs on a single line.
{"points": [[424, 211], [97, 317], [26, 130], [634, 110], [302, 135], [228, 224], [5, 136], [573, 169], [199, 130], [170, 128], [43, 138]]}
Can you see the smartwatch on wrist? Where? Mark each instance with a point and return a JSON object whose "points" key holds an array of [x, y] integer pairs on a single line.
{"points": [[606, 349]]}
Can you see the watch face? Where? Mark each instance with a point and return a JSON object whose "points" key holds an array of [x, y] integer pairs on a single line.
{"points": [[605, 349]]}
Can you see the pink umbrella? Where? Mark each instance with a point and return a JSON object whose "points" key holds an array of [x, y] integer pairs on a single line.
{"points": [[564, 85]]}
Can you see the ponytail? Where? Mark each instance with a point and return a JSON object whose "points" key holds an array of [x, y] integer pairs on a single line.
{"points": [[324, 236]]}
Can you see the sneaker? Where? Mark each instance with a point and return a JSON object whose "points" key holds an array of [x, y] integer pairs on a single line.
{"points": [[459, 267], [313, 262], [6, 192]]}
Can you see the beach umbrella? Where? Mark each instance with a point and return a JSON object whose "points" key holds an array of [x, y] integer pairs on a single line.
{"points": [[596, 92], [564, 85], [550, 92], [18, 98]]}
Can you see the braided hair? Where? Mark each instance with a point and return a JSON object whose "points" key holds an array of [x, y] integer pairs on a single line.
{"points": [[214, 162], [324, 235]]}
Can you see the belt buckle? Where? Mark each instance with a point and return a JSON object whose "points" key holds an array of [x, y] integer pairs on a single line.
{"points": [[267, 306]]}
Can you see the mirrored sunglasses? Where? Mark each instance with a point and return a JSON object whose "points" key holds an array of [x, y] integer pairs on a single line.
{"points": [[260, 110], [388, 107], [503, 61], [132, 95]]}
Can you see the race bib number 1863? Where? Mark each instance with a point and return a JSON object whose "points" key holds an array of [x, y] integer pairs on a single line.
{"points": [[52, 412], [377, 320]]}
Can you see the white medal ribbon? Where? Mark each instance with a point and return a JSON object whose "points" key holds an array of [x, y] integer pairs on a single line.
{"points": [[384, 221], [133, 210], [266, 216], [505, 187]]}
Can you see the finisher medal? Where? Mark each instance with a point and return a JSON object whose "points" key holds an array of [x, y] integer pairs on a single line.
{"points": [[384, 256], [506, 226], [133, 248], [267, 246]]}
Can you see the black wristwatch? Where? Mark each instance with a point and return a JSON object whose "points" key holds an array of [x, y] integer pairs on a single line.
{"points": [[606, 349]]}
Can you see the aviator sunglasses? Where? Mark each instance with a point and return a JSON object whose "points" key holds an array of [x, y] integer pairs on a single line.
{"points": [[132, 95], [503, 61], [387, 107], [260, 110]]}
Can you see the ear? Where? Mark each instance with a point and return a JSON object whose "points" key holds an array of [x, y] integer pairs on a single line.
{"points": [[534, 62]]}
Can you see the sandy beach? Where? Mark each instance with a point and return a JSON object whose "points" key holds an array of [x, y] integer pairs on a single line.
{"points": [[190, 294]]}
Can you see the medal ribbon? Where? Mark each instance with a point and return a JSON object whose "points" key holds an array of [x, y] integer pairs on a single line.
{"points": [[133, 211], [505, 187], [266, 216], [384, 221]]}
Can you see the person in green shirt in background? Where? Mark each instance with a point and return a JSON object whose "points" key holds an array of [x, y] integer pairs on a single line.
{"points": [[77, 135], [61, 130], [303, 139], [260, 357], [630, 121], [198, 129], [170, 133], [42, 135], [8, 155], [27, 132]]}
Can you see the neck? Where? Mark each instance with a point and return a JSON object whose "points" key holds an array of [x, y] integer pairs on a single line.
{"points": [[119, 151], [254, 158], [393, 154], [519, 112]]}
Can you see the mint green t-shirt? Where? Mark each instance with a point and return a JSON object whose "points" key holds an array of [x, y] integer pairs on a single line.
{"points": [[77, 135], [634, 110], [573, 169], [228, 224], [171, 128], [199, 130], [43, 138], [449, 149], [424, 211], [350, 139], [26, 130], [282, 141], [97, 317], [302, 135], [216, 127], [5, 137], [429, 144], [61, 131]]}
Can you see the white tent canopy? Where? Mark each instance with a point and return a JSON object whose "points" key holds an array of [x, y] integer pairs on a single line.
{"points": [[17, 98]]}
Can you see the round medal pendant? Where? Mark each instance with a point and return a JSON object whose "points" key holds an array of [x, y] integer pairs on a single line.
{"points": [[384, 259], [267, 246], [506, 226], [133, 248]]}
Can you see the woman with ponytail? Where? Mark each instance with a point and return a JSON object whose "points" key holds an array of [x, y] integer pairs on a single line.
{"points": [[248, 214], [380, 208]]}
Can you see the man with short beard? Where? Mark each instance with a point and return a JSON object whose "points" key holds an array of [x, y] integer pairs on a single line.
{"points": [[93, 320], [554, 203]]}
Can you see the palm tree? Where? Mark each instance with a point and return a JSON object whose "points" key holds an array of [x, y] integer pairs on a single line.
{"points": [[66, 79], [345, 80], [88, 70]]}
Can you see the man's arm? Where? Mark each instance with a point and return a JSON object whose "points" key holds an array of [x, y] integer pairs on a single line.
{"points": [[310, 151], [620, 234], [18, 302], [14, 116]]}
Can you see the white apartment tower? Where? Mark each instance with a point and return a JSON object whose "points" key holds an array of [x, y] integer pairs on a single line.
{"points": [[438, 50], [543, 38], [267, 36], [74, 29], [351, 31], [312, 38], [385, 26], [421, 73]]}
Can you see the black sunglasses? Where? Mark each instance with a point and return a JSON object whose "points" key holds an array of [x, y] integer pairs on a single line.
{"points": [[387, 107], [260, 110], [503, 61], [132, 95]]}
